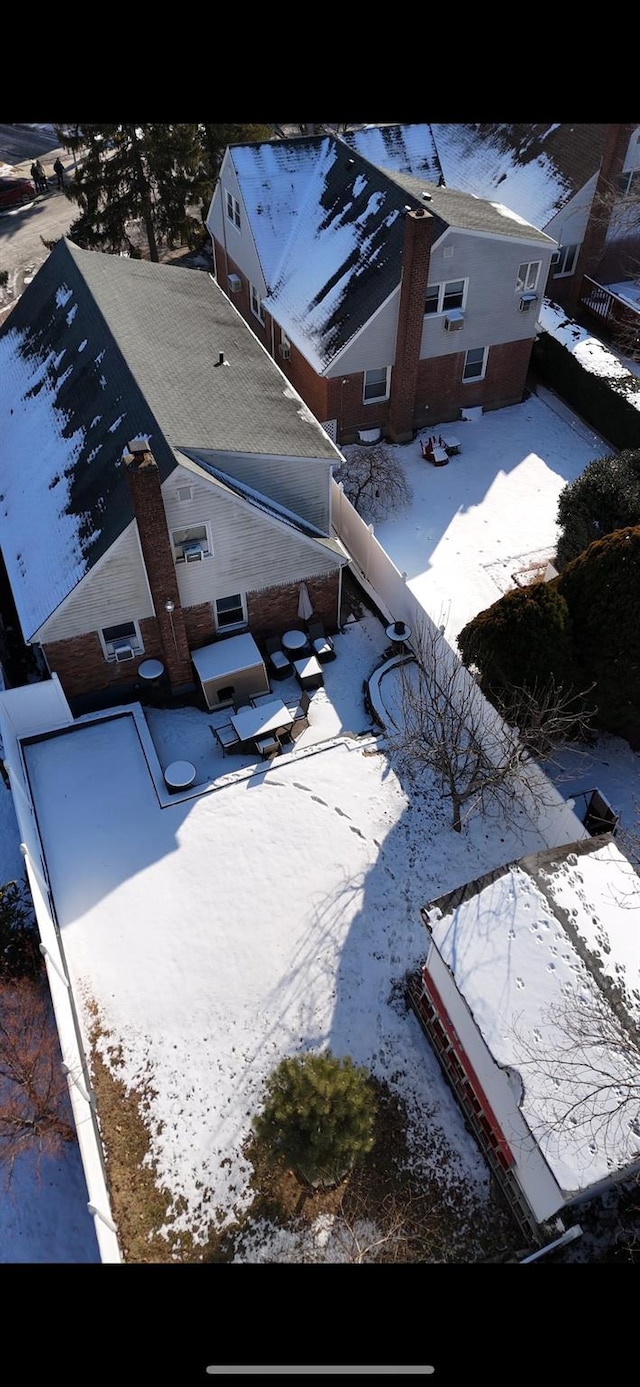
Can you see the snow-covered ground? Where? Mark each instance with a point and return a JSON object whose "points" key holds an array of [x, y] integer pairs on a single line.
{"points": [[310, 874]]}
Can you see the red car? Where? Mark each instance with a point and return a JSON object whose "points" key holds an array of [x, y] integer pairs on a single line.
{"points": [[14, 192]]}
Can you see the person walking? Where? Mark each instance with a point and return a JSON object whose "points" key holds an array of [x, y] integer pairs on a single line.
{"points": [[58, 169], [39, 177]]}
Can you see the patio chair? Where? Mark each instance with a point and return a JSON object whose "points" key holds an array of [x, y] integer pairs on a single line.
{"points": [[267, 747], [321, 644], [226, 737], [279, 665], [299, 711], [258, 699]]}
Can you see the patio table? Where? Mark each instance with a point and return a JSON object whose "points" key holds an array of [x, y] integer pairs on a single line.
{"points": [[180, 775], [254, 723], [295, 642]]}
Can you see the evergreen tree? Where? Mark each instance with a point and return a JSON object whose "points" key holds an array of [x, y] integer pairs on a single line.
{"points": [[160, 175], [606, 497], [20, 955], [318, 1116]]}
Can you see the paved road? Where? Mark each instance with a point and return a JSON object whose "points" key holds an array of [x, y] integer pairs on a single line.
{"points": [[24, 230]]}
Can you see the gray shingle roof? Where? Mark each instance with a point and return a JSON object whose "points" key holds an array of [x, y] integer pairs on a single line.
{"points": [[101, 348]]}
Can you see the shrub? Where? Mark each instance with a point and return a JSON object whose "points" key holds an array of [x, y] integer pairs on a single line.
{"points": [[601, 589], [318, 1116], [605, 498], [522, 641]]}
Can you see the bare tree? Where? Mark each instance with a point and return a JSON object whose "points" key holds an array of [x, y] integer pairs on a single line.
{"points": [[374, 480], [445, 724], [35, 1113], [591, 1066]]}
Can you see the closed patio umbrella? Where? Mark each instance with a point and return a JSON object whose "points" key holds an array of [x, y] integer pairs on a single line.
{"points": [[305, 609]]}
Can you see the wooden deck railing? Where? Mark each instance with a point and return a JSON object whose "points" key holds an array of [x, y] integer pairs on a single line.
{"points": [[617, 318]]}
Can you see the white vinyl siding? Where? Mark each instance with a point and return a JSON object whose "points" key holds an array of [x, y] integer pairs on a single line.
{"points": [[115, 590], [250, 551], [489, 267], [301, 485]]}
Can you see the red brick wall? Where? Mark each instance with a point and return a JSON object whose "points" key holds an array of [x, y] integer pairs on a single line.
{"points": [[82, 668], [276, 609], [157, 552], [440, 383], [420, 231]]}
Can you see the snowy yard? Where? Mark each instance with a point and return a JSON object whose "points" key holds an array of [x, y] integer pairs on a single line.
{"points": [[280, 910]]}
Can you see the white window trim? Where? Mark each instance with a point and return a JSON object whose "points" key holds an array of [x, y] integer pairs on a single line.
{"points": [[135, 640], [442, 288], [527, 287], [556, 271], [470, 380], [379, 399], [257, 309], [208, 549], [234, 625], [232, 207]]}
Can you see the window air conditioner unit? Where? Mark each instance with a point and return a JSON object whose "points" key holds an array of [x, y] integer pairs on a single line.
{"points": [[123, 651], [454, 321], [555, 258], [235, 284], [527, 301], [192, 551], [285, 351]]}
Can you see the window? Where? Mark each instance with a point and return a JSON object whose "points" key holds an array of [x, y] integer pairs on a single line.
{"points": [[256, 306], [475, 362], [230, 611], [629, 182], [191, 544], [184, 493], [120, 643], [233, 209], [440, 297], [527, 278], [376, 385], [567, 262]]}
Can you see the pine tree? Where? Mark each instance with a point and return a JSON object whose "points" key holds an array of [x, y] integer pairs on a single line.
{"points": [[160, 175], [318, 1116]]}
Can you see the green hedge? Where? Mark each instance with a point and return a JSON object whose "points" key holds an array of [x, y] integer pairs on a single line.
{"points": [[597, 399]]}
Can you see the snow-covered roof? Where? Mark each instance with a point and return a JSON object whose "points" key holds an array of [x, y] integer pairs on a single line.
{"points": [[533, 169], [100, 348], [328, 226], [541, 952]]}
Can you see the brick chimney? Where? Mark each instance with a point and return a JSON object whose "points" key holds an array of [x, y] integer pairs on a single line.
{"points": [[606, 191], [420, 230], [157, 552]]}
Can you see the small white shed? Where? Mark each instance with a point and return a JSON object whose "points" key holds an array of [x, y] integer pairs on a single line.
{"points": [[229, 669]]}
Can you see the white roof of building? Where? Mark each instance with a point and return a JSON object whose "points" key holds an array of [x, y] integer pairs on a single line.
{"points": [[547, 957]]}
